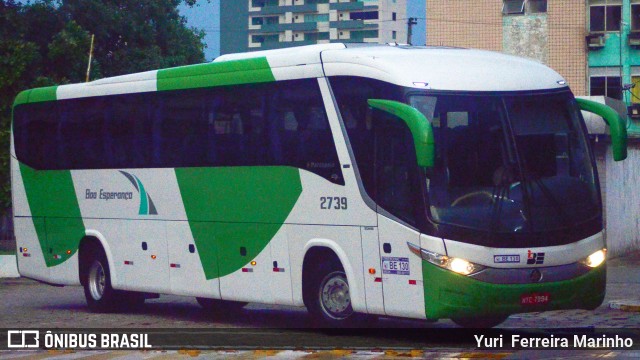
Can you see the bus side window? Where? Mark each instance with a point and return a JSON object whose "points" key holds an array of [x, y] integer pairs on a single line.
{"points": [[395, 168]]}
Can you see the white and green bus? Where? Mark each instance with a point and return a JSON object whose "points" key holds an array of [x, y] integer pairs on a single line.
{"points": [[417, 182]]}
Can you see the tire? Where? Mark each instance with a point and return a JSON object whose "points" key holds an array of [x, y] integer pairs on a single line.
{"points": [[220, 306], [480, 322], [101, 297], [329, 300]]}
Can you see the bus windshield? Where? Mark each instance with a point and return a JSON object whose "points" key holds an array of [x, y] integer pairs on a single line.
{"points": [[508, 163]]}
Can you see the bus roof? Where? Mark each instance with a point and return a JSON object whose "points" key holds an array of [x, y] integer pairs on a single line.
{"points": [[431, 67], [434, 68]]}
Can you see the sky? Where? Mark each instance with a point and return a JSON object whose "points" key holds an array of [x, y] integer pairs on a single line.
{"points": [[206, 16]]}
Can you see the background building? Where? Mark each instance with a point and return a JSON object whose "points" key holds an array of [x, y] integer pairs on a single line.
{"points": [[248, 25], [594, 45]]}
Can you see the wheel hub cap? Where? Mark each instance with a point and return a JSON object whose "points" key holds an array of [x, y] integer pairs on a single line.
{"points": [[335, 297], [97, 281]]}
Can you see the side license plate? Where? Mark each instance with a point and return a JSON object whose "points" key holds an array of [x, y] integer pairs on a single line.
{"points": [[535, 299], [395, 265]]}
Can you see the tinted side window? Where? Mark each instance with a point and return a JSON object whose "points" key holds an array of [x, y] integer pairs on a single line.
{"points": [[352, 94], [397, 189], [281, 124]]}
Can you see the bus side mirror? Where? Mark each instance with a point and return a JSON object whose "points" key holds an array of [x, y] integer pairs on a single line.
{"points": [[617, 126], [418, 124]]}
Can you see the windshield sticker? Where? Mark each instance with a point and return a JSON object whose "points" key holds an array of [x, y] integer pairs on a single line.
{"points": [[535, 258], [395, 265], [506, 259]]}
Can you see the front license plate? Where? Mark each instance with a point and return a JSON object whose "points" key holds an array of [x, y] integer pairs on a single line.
{"points": [[535, 299]]}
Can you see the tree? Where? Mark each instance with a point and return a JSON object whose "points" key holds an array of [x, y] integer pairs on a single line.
{"points": [[46, 42]]}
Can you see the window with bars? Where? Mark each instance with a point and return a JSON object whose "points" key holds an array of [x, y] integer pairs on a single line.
{"points": [[536, 6], [511, 7], [519, 7], [635, 17], [605, 18], [610, 86]]}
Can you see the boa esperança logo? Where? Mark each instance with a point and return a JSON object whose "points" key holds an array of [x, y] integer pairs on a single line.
{"points": [[146, 204]]}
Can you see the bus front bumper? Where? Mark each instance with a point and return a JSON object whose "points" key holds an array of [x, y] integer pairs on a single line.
{"points": [[450, 295]]}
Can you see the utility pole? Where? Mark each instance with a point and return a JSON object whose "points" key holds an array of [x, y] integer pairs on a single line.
{"points": [[410, 22], [90, 56]]}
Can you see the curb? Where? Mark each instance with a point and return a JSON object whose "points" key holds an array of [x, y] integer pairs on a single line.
{"points": [[8, 266], [625, 305]]}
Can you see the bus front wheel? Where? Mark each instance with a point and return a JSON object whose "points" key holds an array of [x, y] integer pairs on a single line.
{"points": [[331, 300]]}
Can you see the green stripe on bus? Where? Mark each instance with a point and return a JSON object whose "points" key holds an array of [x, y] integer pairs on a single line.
{"points": [[22, 98], [450, 295], [234, 212], [52, 197], [36, 95], [215, 74]]}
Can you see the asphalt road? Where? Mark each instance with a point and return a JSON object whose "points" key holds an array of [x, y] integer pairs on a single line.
{"points": [[27, 304]]}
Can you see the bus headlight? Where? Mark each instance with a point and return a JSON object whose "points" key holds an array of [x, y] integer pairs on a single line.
{"points": [[461, 266], [595, 259], [457, 265]]}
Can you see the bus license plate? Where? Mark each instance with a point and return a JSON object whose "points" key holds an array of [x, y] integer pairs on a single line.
{"points": [[534, 299], [395, 265]]}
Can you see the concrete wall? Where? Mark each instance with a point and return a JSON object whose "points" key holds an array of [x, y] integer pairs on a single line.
{"points": [[526, 36], [623, 201]]}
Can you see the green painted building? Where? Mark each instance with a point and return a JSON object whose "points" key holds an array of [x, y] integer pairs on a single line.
{"points": [[614, 49]]}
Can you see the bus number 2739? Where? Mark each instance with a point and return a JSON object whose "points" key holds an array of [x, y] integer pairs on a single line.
{"points": [[333, 202]]}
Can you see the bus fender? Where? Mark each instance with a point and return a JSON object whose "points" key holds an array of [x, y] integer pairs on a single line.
{"points": [[357, 299], [115, 283]]}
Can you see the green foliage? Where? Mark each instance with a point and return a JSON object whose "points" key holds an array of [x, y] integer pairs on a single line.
{"points": [[46, 42]]}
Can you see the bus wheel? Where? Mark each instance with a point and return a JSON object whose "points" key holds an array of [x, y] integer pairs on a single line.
{"points": [[97, 284], [220, 306], [331, 304], [480, 322]]}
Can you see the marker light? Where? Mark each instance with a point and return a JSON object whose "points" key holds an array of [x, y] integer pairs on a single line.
{"points": [[153, 257], [595, 259], [372, 271], [253, 263], [68, 252]]}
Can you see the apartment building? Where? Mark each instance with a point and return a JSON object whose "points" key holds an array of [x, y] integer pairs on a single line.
{"points": [[248, 25], [595, 46]]}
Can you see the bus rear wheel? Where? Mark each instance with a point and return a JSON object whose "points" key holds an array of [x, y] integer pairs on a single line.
{"points": [[101, 297]]}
